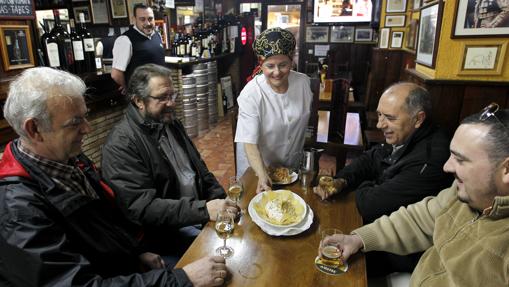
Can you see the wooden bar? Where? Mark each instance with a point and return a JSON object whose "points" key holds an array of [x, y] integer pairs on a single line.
{"points": [[264, 260]]}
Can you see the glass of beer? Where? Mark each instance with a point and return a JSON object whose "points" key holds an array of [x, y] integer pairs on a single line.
{"points": [[326, 183], [224, 229], [330, 249], [235, 189]]}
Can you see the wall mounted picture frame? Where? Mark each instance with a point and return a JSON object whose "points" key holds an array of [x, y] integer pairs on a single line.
{"points": [[161, 28], [416, 4], [130, 8], [384, 38], [99, 11], [429, 32], [118, 9], [342, 34], [16, 47], [411, 35], [467, 24], [397, 39], [82, 9], [317, 34], [395, 6], [395, 21], [363, 35], [483, 59]]}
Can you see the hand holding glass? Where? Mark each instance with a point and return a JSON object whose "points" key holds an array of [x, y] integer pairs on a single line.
{"points": [[330, 249], [224, 229]]}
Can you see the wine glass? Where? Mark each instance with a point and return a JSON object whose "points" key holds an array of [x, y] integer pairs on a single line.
{"points": [[224, 229], [235, 189]]}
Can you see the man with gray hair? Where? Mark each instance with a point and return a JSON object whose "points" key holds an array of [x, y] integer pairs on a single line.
{"points": [[159, 178], [54, 206], [403, 171]]}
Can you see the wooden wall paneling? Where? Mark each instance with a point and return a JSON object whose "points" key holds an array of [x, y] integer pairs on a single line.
{"points": [[477, 97], [447, 103]]}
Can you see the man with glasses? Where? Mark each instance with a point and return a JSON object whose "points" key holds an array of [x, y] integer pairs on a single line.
{"points": [[465, 228], [158, 176], [404, 170]]}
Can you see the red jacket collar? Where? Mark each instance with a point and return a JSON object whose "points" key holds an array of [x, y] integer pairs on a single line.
{"points": [[9, 166]]}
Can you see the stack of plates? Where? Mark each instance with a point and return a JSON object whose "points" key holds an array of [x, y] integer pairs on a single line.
{"points": [[281, 230]]}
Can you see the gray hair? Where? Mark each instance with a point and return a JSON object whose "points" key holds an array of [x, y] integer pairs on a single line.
{"points": [[418, 99], [138, 83], [29, 92], [497, 139]]}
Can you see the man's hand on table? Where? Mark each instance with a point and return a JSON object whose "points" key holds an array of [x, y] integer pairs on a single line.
{"points": [[216, 205], [349, 244], [208, 271], [339, 184], [264, 184]]}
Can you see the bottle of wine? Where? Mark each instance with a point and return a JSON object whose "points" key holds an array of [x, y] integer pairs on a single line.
{"points": [[44, 38], [51, 52], [65, 54], [88, 45], [77, 49]]}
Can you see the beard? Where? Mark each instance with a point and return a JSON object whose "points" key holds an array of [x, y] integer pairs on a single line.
{"points": [[165, 116]]}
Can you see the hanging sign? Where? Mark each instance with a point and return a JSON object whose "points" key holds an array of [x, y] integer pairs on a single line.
{"points": [[17, 9]]}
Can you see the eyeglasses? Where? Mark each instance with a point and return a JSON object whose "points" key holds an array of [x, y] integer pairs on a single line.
{"points": [[490, 111], [165, 99]]}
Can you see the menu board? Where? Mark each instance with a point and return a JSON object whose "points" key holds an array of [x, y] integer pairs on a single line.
{"points": [[23, 9]]}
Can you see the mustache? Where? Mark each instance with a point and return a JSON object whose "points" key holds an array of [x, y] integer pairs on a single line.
{"points": [[149, 26]]}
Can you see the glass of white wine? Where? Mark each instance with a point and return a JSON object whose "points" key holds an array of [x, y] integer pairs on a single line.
{"points": [[235, 189], [224, 229]]}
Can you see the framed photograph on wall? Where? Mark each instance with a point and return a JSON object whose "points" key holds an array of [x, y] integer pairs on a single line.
{"points": [[483, 59], [363, 35], [384, 38], [118, 9], [81, 9], [317, 34], [342, 34], [416, 4], [395, 6], [16, 47], [99, 11], [411, 35], [429, 32], [395, 21], [397, 39], [468, 22]]}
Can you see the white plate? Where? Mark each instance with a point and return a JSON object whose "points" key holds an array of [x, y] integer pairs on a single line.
{"points": [[299, 199], [293, 178], [300, 227]]}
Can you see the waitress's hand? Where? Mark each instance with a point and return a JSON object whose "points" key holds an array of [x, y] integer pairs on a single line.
{"points": [[264, 184]]}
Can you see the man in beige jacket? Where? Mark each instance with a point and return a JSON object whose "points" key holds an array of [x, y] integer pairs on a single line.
{"points": [[465, 228]]}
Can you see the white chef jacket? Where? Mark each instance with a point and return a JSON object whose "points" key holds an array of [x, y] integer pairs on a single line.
{"points": [[275, 122]]}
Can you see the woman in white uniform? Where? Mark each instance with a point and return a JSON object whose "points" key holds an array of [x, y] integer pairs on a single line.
{"points": [[274, 109]]}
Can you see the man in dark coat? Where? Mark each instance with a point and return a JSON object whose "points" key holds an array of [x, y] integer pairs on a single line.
{"points": [[404, 170], [55, 208], [159, 178]]}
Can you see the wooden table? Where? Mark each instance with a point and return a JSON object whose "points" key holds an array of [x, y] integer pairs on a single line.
{"points": [[264, 260]]}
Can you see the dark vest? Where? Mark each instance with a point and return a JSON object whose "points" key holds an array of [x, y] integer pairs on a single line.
{"points": [[145, 51]]}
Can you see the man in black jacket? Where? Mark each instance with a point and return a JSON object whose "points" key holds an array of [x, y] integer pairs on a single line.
{"points": [[54, 206], [159, 178], [404, 170]]}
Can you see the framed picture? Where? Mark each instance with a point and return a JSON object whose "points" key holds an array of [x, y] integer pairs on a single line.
{"points": [[469, 22], [130, 8], [118, 9], [483, 59], [99, 11], [363, 35], [395, 6], [384, 38], [81, 9], [342, 34], [416, 4], [412, 34], [397, 39], [161, 28], [16, 47], [317, 34], [395, 21], [429, 32]]}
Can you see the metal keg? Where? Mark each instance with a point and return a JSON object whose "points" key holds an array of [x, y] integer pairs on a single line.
{"points": [[189, 107]]}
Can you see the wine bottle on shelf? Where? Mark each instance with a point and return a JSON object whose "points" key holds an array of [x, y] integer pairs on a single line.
{"points": [[77, 49], [65, 54], [44, 38], [88, 45], [51, 52]]}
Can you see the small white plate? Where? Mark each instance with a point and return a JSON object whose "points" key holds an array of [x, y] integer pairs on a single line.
{"points": [[293, 178]]}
